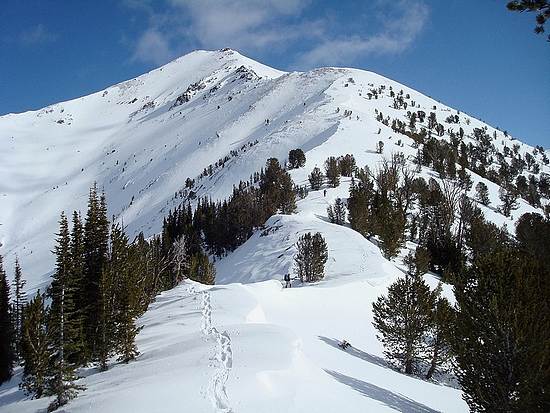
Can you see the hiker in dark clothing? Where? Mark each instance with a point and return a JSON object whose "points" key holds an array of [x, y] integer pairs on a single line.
{"points": [[287, 281], [325, 192]]}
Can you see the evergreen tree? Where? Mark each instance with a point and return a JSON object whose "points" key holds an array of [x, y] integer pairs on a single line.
{"points": [[125, 270], [76, 290], [332, 172], [106, 329], [96, 240], [287, 202], [7, 356], [346, 164], [390, 224], [276, 189], [501, 333], [316, 179], [508, 196], [19, 301], [541, 7], [312, 255], [296, 158], [61, 333], [403, 318], [359, 203], [202, 270], [35, 346], [482, 194], [533, 236], [111, 289], [437, 340], [337, 213]]}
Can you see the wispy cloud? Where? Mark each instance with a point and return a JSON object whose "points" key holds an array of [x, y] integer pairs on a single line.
{"points": [[153, 47], [38, 34], [282, 26], [402, 25]]}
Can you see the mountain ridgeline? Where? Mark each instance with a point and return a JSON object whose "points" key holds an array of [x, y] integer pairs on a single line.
{"points": [[192, 164]]}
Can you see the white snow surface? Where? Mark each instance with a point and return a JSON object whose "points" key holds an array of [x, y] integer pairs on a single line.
{"points": [[247, 344]]}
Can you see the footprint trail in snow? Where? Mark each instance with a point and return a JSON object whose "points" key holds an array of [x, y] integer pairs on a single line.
{"points": [[223, 359], [206, 324]]}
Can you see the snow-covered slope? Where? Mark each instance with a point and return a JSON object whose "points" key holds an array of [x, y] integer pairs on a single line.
{"points": [[140, 140], [257, 347], [246, 345]]}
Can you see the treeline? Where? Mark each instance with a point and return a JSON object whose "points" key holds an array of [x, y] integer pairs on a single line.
{"points": [[496, 336], [103, 282], [222, 226], [507, 167]]}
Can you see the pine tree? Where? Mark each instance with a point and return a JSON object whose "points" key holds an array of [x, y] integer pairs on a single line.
{"points": [[76, 290], [202, 270], [359, 203], [96, 240], [125, 272], [346, 164], [111, 287], [35, 346], [7, 356], [501, 333], [296, 158], [316, 179], [390, 227], [437, 340], [533, 236], [332, 172], [311, 257], [337, 213], [276, 189], [541, 7], [508, 196], [62, 334], [482, 194], [403, 318], [19, 301], [287, 202]]}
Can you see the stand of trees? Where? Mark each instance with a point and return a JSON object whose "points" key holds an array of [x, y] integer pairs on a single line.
{"points": [[103, 282], [497, 334], [7, 353], [379, 202]]}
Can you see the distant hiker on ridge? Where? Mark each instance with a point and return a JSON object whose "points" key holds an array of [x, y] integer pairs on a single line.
{"points": [[288, 284]]}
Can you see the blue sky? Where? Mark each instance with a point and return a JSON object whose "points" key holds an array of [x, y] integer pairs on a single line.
{"points": [[471, 54]]}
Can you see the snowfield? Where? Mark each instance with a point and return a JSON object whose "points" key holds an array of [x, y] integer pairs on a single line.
{"points": [[246, 344]]}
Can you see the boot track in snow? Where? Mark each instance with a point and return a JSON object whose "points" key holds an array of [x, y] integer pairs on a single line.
{"points": [[223, 360]]}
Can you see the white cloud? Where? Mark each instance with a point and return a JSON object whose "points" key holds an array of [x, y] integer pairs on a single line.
{"points": [[153, 47], [267, 26], [240, 24], [37, 35], [402, 25]]}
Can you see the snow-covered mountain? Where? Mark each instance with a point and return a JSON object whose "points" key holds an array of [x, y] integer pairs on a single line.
{"points": [[140, 140], [248, 345]]}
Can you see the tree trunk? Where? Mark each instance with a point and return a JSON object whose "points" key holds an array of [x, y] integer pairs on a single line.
{"points": [[433, 364], [408, 366]]}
